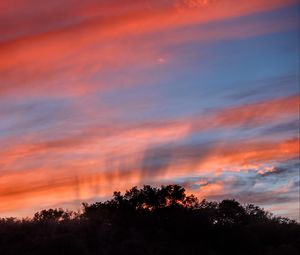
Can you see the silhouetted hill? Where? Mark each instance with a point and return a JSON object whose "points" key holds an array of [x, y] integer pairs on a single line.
{"points": [[152, 221]]}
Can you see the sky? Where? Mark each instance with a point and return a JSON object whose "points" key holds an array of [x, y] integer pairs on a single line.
{"points": [[99, 96]]}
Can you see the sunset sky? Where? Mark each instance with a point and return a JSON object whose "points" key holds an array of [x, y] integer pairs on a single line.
{"points": [[98, 96]]}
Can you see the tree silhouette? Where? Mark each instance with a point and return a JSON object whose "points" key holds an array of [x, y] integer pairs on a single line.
{"points": [[55, 215], [152, 220]]}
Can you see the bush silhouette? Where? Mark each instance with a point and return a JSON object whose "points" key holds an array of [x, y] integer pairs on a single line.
{"points": [[152, 220]]}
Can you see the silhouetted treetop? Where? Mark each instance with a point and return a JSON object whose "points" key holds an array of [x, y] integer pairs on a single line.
{"points": [[152, 198], [55, 215]]}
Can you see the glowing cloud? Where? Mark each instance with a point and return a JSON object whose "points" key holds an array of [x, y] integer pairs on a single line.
{"points": [[100, 96]]}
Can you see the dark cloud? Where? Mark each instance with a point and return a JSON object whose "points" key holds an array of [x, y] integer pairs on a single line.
{"points": [[265, 88], [276, 171], [158, 158], [285, 169], [291, 127]]}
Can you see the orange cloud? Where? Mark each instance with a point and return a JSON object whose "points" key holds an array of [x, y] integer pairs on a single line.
{"points": [[105, 42], [21, 189], [97, 161], [112, 139], [72, 50], [251, 115]]}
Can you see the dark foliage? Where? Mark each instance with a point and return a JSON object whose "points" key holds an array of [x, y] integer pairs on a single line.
{"points": [[152, 221]]}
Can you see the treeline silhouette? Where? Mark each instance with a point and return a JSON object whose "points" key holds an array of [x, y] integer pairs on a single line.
{"points": [[152, 221]]}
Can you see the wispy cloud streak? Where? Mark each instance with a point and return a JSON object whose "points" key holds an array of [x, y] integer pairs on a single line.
{"points": [[100, 96]]}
